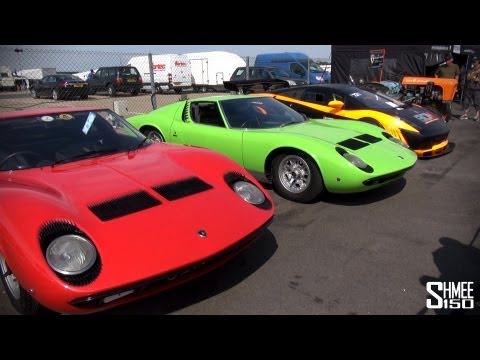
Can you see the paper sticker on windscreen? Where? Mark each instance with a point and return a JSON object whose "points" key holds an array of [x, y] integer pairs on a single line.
{"points": [[89, 122]]}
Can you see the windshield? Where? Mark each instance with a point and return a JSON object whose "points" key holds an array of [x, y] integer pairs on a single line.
{"points": [[276, 72], [68, 77], [259, 113], [314, 68], [374, 100], [49, 139]]}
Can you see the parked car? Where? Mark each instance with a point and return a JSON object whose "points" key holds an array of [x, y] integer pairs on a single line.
{"points": [[115, 79], [94, 215], [422, 129], [276, 143], [60, 86]]}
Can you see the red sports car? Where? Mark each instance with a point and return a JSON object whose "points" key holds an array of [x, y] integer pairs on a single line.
{"points": [[94, 215]]}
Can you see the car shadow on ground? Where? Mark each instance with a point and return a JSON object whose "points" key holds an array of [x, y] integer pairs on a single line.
{"points": [[456, 262], [213, 283], [366, 197]]}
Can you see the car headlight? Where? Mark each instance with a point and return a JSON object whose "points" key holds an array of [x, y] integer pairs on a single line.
{"points": [[71, 254], [355, 160], [292, 83], [395, 140], [249, 192]]}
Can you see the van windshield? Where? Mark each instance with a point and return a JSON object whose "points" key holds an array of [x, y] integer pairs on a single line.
{"points": [[314, 68]]}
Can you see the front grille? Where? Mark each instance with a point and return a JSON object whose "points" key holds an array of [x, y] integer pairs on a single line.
{"points": [[417, 141], [123, 205], [182, 188], [97, 300], [385, 178]]}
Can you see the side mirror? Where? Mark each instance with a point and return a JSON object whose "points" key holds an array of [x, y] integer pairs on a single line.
{"points": [[337, 105]]}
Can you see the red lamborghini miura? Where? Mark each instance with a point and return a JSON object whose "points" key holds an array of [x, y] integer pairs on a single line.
{"points": [[94, 215]]}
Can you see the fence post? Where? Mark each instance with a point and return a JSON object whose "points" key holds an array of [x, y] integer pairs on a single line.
{"points": [[152, 82]]}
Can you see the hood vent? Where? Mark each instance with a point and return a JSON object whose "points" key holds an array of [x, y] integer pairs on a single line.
{"points": [[353, 144], [182, 188], [368, 138], [123, 205]]}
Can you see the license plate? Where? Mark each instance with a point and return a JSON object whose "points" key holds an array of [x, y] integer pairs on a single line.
{"points": [[77, 85], [131, 80]]}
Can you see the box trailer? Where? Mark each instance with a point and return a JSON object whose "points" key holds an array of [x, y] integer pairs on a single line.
{"points": [[210, 69], [170, 72], [7, 81]]}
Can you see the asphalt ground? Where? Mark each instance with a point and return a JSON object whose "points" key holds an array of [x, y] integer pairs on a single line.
{"points": [[367, 253]]}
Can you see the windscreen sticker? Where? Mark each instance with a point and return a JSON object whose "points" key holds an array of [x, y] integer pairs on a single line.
{"points": [[46, 118], [392, 104], [423, 117], [89, 122], [65, 117], [355, 94]]}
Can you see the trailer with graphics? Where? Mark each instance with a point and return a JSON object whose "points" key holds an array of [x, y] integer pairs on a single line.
{"points": [[170, 72]]}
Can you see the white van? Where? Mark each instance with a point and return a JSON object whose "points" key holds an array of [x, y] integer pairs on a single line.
{"points": [[210, 69], [170, 71]]}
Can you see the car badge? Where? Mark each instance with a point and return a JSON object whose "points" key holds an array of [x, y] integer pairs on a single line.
{"points": [[202, 233]]}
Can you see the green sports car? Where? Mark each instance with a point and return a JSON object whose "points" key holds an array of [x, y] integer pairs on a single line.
{"points": [[301, 157]]}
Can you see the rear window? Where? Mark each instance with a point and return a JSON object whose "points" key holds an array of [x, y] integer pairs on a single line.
{"points": [[129, 71]]}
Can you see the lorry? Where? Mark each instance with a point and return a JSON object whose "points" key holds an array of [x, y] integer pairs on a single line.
{"points": [[170, 72], [7, 81], [35, 75], [210, 69], [298, 65]]}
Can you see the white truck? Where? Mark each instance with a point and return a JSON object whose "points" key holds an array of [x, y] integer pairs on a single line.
{"points": [[7, 81], [211, 68], [35, 75], [170, 72]]}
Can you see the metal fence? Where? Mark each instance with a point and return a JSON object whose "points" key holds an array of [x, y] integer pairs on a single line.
{"points": [[33, 78]]}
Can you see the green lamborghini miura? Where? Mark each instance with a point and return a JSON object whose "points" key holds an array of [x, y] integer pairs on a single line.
{"points": [[301, 157]]}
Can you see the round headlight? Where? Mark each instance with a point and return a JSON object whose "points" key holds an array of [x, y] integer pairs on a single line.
{"points": [[355, 160], [249, 192], [71, 254]]}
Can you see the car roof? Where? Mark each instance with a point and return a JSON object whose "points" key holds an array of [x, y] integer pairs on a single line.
{"points": [[45, 111]]}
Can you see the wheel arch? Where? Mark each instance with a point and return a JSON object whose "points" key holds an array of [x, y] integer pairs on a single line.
{"points": [[146, 127], [286, 150]]}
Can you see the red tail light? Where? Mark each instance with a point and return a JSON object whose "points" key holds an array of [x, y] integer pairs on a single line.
{"points": [[169, 78], [63, 84], [139, 80], [119, 81]]}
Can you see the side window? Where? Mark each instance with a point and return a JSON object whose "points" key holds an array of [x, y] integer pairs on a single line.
{"points": [[297, 69], [99, 73], [206, 113], [239, 74], [112, 72], [319, 97]]}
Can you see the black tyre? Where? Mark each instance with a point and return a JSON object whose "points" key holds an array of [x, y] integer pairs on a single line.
{"points": [[84, 96], [55, 94], [177, 91], [134, 92], [21, 300], [296, 177], [111, 90], [371, 121], [34, 94], [153, 134]]}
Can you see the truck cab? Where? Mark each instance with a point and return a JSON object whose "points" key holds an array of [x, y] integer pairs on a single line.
{"points": [[297, 65]]}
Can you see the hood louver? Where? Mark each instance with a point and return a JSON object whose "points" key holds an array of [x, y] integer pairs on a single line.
{"points": [[182, 188]]}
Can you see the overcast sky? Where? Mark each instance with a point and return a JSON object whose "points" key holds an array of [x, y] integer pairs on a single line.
{"points": [[314, 51]]}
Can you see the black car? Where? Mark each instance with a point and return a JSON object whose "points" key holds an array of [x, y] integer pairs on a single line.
{"points": [[60, 86], [116, 79]]}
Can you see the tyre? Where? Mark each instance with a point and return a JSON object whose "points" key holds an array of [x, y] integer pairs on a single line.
{"points": [[296, 177], [21, 300], [111, 90], [84, 96], [55, 94], [153, 134], [177, 91], [371, 121], [134, 92], [34, 94]]}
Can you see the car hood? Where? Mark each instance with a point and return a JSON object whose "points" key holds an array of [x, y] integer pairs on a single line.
{"points": [[138, 232]]}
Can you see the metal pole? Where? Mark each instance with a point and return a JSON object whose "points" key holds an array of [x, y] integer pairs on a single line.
{"points": [[152, 81], [308, 70], [247, 69]]}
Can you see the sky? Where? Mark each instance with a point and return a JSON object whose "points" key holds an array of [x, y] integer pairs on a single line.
{"points": [[314, 51]]}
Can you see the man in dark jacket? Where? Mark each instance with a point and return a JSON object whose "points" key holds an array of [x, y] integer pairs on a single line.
{"points": [[472, 91]]}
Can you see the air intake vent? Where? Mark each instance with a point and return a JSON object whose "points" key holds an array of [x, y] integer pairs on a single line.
{"points": [[182, 188], [124, 205], [368, 138], [353, 144]]}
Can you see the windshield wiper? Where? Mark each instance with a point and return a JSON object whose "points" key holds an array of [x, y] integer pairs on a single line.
{"points": [[85, 155], [139, 145]]}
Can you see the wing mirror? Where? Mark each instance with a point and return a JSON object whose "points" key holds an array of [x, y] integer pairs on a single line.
{"points": [[337, 105]]}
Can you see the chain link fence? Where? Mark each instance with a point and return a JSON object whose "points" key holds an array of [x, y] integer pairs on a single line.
{"points": [[35, 78], [128, 83]]}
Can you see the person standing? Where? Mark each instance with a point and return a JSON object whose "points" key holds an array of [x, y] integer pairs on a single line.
{"points": [[90, 74], [472, 91], [448, 71]]}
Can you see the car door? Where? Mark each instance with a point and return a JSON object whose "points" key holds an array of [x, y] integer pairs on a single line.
{"points": [[95, 82], [204, 126], [42, 86]]}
